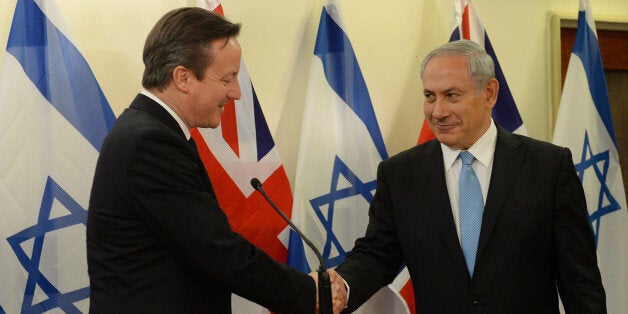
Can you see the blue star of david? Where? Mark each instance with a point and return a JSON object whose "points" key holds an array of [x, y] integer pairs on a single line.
{"points": [[357, 187], [56, 299], [589, 160]]}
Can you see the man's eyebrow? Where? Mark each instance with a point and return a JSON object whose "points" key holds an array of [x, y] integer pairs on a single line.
{"points": [[230, 74], [452, 89], [449, 90]]}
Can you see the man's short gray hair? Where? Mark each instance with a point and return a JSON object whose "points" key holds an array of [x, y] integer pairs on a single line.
{"points": [[481, 66]]}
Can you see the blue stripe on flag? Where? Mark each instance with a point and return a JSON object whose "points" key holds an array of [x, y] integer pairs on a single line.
{"points": [[60, 72], [587, 49], [455, 35], [263, 137], [341, 67], [296, 253], [505, 111]]}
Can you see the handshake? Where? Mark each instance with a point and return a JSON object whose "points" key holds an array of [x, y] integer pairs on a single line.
{"points": [[339, 295]]}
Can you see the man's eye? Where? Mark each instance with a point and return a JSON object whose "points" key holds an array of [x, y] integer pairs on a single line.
{"points": [[226, 82], [429, 97]]}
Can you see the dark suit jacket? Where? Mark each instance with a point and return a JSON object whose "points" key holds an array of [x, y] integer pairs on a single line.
{"points": [[157, 241], [535, 235]]}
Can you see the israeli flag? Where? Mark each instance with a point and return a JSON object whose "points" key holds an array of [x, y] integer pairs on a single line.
{"points": [[584, 124], [53, 119], [339, 151]]}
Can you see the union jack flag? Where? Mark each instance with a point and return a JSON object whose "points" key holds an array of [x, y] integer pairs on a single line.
{"points": [[242, 148]]}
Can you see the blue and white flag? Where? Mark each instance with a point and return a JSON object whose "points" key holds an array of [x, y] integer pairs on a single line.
{"points": [[53, 119], [584, 124], [340, 149]]}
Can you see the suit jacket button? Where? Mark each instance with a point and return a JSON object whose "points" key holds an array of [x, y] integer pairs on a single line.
{"points": [[475, 303]]}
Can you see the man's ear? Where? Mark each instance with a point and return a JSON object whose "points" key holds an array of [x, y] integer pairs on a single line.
{"points": [[490, 91], [181, 77]]}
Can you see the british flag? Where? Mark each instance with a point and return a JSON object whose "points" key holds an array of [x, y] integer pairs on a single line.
{"points": [[240, 149]]}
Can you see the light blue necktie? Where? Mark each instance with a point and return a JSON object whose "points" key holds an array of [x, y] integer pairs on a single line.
{"points": [[471, 208]]}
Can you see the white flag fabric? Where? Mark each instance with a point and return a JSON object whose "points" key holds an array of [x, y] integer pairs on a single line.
{"points": [[53, 119], [339, 150], [584, 124]]}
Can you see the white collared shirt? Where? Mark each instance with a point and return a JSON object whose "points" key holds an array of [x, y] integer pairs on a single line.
{"points": [[182, 125], [483, 150]]}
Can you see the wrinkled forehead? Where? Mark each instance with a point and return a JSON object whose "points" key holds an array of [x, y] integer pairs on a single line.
{"points": [[446, 68]]}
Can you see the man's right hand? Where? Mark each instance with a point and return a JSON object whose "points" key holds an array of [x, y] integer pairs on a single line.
{"points": [[338, 291]]}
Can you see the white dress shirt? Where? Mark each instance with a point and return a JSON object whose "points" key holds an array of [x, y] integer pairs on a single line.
{"points": [[483, 150]]}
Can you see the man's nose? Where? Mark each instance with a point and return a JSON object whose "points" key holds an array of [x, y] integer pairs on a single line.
{"points": [[234, 92], [440, 109]]}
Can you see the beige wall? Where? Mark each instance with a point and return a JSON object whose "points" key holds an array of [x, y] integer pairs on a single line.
{"points": [[389, 38]]}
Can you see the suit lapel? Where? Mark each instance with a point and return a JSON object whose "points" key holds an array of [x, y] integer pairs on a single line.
{"points": [[439, 198], [202, 170], [144, 103], [509, 153]]}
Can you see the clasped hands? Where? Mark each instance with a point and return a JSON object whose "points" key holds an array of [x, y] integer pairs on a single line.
{"points": [[338, 291]]}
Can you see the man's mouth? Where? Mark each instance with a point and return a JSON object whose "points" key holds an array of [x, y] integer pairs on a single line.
{"points": [[443, 126]]}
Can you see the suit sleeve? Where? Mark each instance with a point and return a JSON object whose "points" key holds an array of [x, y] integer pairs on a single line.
{"points": [[579, 280], [174, 201], [376, 258]]}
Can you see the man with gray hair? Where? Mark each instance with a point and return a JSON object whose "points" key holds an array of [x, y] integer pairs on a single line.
{"points": [[485, 220]]}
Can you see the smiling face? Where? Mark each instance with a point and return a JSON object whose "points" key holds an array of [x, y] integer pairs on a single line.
{"points": [[457, 114], [207, 96]]}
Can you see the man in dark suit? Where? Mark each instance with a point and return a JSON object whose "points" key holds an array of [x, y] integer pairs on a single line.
{"points": [[533, 239], [157, 241]]}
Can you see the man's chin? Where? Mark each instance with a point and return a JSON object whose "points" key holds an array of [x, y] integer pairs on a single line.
{"points": [[213, 122], [446, 139], [210, 125]]}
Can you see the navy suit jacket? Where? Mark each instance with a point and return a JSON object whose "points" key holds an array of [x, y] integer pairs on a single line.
{"points": [[157, 241], [535, 239]]}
